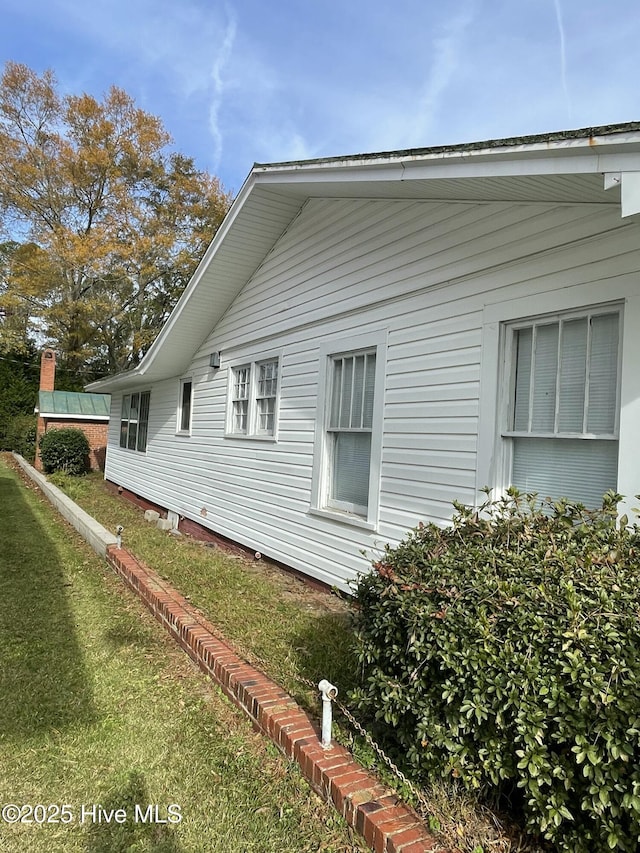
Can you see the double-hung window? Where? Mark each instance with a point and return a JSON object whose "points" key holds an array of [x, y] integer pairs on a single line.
{"points": [[347, 460], [134, 421], [254, 399], [240, 399], [562, 413], [349, 430], [266, 395]]}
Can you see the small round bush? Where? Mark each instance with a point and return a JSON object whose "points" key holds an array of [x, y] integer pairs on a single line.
{"points": [[64, 450], [505, 651]]}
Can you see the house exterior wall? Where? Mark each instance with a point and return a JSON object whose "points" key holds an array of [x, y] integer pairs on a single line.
{"points": [[433, 278]]}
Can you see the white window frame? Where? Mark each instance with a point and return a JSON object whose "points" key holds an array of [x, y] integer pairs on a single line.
{"points": [[321, 502], [508, 432], [180, 430], [253, 397], [493, 451]]}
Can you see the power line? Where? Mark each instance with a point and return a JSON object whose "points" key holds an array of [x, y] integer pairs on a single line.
{"points": [[36, 367]]}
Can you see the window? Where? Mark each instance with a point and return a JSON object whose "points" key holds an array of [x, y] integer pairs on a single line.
{"points": [[349, 430], [266, 397], [184, 406], [562, 416], [240, 398], [254, 399], [347, 458], [134, 421]]}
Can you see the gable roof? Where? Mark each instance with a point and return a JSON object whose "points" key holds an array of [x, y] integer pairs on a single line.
{"points": [[598, 165], [72, 404]]}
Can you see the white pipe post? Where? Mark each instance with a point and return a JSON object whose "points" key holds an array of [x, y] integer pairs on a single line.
{"points": [[329, 692]]}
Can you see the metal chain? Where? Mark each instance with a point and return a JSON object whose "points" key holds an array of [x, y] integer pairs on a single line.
{"points": [[376, 747], [381, 753], [258, 661]]}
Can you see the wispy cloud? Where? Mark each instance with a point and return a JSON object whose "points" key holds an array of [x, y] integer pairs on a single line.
{"points": [[218, 82], [563, 58], [446, 54]]}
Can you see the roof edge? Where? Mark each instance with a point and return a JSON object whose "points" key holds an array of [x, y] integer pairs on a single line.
{"points": [[120, 380], [586, 133]]}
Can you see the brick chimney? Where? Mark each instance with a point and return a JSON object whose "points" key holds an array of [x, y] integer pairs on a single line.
{"points": [[48, 370]]}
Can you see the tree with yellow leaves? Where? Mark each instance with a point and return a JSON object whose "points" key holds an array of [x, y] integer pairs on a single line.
{"points": [[103, 224]]}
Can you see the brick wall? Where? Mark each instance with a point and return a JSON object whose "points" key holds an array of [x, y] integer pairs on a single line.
{"points": [[96, 432], [48, 370]]}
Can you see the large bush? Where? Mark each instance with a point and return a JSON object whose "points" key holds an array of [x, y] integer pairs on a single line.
{"points": [[64, 450], [20, 435], [505, 651]]}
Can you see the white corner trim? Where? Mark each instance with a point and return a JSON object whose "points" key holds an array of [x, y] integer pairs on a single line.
{"points": [[630, 193]]}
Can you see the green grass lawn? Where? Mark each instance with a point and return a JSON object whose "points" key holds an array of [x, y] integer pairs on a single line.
{"points": [[271, 618], [291, 633], [98, 707]]}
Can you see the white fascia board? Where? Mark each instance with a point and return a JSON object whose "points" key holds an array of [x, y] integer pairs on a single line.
{"points": [[579, 155], [473, 164], [143, 372], [219, 237], [387, 165]]}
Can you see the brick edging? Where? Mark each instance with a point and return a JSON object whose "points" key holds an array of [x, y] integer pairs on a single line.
{"points": [[387, 825]]}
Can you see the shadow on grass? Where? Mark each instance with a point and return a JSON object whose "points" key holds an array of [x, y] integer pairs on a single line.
{"points": [[43, 683], [324, 648], [141, 827]]}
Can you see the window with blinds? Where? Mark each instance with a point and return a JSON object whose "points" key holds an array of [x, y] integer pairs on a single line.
{"points": [[349, 430], [563, 417]]}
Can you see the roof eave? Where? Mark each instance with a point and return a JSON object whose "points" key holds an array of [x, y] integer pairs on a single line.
{"points": [[586, 151], [546, 144]]}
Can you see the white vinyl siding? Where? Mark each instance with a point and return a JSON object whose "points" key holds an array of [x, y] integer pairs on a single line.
{"points": [[431, 275], [563, 417]]}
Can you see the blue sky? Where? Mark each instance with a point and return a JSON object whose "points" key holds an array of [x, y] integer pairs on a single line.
{"points": [[267, 80]]}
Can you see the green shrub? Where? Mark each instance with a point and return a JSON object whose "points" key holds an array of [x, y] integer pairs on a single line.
{"points": [[505, 651], [20, 436], [64, 450]]}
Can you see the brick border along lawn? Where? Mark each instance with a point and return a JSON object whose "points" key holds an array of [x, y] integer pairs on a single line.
{"points": [[386, 824], [374, 811]]}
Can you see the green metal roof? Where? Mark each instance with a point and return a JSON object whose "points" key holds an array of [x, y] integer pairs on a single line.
{"points": [[70, 403]]}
